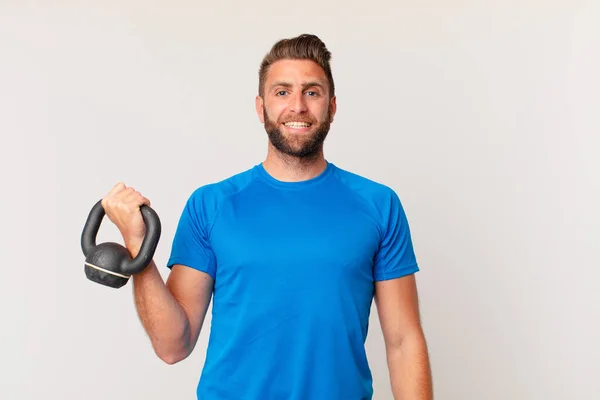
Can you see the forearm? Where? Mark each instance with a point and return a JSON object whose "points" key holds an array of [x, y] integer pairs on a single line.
{"points": [[409, 367], [163, 318]]}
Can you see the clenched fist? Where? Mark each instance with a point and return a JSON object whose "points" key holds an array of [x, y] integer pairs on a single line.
{"points": [[122, 206]]}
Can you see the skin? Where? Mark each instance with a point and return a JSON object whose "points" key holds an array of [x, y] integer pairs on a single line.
{"points": [[295, 90], [174, 311]]}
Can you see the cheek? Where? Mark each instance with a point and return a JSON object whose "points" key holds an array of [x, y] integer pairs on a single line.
{"points": [[320, 111], [274, 111]]}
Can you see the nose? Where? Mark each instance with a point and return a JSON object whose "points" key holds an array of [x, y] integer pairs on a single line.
{"points": [[298, 103]]}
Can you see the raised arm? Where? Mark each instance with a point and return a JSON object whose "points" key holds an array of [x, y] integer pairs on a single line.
{"points": [[172, 313]]}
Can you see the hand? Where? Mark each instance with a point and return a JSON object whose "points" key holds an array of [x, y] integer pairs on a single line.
{"points": [[122, 206]]}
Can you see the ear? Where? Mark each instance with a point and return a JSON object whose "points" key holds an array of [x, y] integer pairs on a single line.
{"points": [[260, 107], [333, 108]]}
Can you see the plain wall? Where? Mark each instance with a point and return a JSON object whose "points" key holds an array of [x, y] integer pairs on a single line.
{"points": [[482, 115]]}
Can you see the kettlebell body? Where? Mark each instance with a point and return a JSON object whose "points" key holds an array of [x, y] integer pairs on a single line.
{"points": [[110, 263]]}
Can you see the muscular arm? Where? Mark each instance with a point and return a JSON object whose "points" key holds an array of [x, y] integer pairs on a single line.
{"points": [[406, 348], [173, 313]]}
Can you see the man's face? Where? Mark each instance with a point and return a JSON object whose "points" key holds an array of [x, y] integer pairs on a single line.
{"points": [[297, 108]]}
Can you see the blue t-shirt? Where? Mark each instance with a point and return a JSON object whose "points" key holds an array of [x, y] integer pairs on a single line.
{"points": [[294, 265]]}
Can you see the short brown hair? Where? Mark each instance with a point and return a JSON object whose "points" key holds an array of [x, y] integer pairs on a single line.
{"points": [[303, 47]]}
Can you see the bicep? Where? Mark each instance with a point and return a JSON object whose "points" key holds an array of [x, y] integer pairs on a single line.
{"points": [[192, 289], [398, 308]]}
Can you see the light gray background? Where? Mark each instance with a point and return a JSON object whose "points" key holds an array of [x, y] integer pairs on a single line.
{"points": [[482, 115]]}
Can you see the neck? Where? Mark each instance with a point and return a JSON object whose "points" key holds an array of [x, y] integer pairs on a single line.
{"points": [[293, 169]]}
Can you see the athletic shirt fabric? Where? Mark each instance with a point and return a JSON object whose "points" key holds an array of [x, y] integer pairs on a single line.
{"points": [[294, 265]]}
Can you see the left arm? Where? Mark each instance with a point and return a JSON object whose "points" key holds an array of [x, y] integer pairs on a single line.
{"points": [[406, 348]]}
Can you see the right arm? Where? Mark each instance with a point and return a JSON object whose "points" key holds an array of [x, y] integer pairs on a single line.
{"points": [[172, 313]]}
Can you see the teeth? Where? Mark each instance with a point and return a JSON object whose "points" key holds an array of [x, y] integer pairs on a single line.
{"points": [[297, 124]]}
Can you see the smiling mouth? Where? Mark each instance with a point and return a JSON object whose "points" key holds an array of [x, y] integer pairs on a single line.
{"points": [[297, 125]]}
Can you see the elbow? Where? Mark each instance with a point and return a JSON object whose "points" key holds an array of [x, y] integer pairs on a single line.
{"points": [[172, 357], [409, 339], [174, 349], [169, 358]]}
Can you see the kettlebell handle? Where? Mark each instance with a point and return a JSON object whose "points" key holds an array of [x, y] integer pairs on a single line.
{"points": [[149, 243]]}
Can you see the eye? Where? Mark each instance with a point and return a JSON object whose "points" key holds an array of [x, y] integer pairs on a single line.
{"points": [[312, 94], [281, 93]]}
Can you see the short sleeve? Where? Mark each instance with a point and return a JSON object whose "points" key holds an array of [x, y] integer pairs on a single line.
{"points": [[395, 257], [191, 245]]}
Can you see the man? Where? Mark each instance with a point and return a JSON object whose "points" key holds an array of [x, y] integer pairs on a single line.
{"points": [[292, 252]]}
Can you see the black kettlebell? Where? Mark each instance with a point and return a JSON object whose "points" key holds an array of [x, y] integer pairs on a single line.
{"points": [[109, 263]]}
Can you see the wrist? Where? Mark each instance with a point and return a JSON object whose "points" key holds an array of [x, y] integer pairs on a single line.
{"points": [[133, 245]]}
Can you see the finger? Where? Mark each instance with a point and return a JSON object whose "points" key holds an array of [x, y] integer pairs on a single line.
{"points": [[126, 199], [123, 195], [135, 197], [120, 186], [117, 188], [113, 193]]}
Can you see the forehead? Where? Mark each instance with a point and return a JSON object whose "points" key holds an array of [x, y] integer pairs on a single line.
{"points": [[295, 71]]}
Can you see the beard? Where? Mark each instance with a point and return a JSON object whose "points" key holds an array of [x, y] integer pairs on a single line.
{"points": [[302, 146]]}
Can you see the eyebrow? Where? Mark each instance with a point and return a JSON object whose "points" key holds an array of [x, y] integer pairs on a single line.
{"points": [[304, 85]]}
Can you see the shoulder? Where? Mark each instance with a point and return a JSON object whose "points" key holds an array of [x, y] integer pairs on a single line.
{"points": [[376, 193], [209, 195]]}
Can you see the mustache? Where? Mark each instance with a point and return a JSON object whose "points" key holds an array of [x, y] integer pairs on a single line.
{"points": [[297, 119]]}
